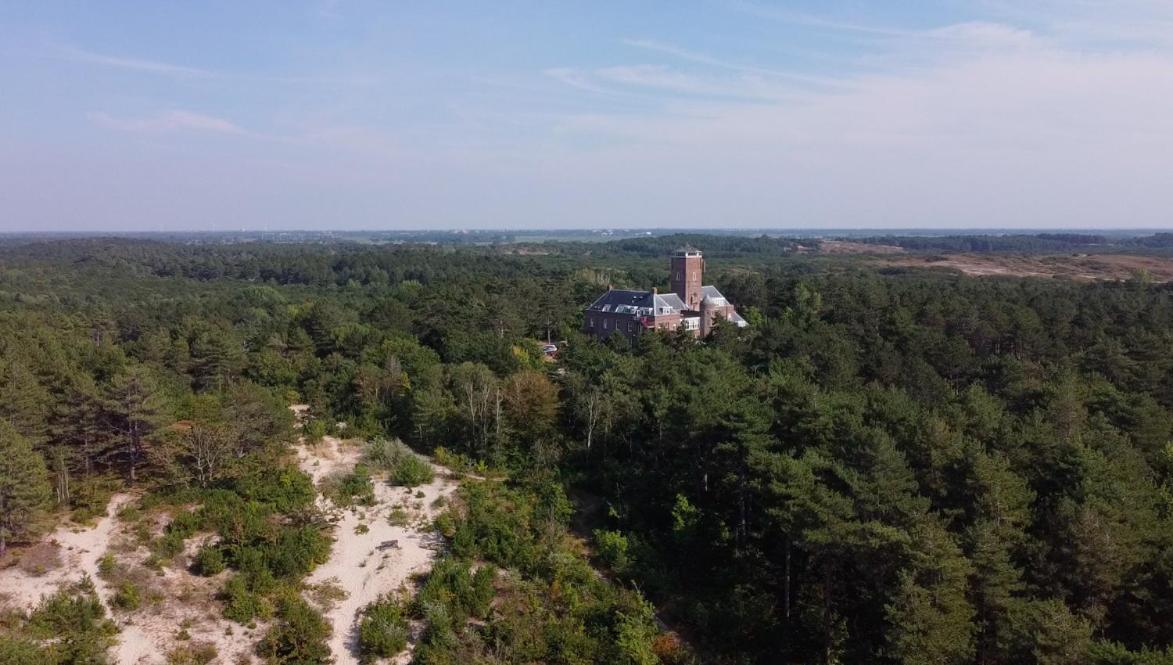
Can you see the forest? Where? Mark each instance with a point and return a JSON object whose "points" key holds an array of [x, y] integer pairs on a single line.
{"points": [[885, 466]]}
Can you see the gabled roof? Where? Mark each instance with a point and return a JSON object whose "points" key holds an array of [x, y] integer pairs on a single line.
{"points": [[712, 292], [638, 303], [671, 300]]}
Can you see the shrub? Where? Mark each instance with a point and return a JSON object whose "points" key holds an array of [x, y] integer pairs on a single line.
{"points": [[240, 603], [16, 651], [386, 454], [90, 496], [612, 547], [402, 464], [314, 430], [453, 461], [299, 635], [128, 597], [75, 621], [198, 653], [383, 631], [297, 552], [463, 594], [286, 489], [350, 489], [398, 517], [106, 566], [209, 561], [412, 471]]}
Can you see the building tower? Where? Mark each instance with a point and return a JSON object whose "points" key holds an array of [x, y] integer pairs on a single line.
{"points": [[688, 268], [709, 312]]}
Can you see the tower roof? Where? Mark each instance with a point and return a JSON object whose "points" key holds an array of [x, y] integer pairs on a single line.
{"points": [[688, 250]]}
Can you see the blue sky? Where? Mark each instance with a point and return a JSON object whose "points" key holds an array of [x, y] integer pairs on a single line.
{"points": [[725, 113]]}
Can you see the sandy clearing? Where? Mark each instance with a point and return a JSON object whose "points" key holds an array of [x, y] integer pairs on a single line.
{"points": [[80, 549], [190, 605], [146, 635], [364, 565], [1085, 267]]}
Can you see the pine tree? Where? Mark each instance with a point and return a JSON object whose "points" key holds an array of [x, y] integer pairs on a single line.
{"points": [[931, 620], [135, 411], [24, 484]]}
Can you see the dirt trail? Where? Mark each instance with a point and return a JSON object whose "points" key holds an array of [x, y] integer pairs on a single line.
{"points": [[384, 556], [81, 548]]}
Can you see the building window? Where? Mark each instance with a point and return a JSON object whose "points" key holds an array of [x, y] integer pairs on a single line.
{"points": [[590, 321], [606, 324]]}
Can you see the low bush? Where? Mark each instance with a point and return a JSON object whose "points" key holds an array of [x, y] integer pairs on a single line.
{"points": [[209, 561], [402, 465], [298, 636], [412, 471], [70, 626], [286, 489], [89, 496], [19, 651], [297, 552], [128, 597], [350, 489], [386, 454], [198, 653], [398, 517], [383, 631], [612, 548], [464, 593], [455, 462], [241, 604]]}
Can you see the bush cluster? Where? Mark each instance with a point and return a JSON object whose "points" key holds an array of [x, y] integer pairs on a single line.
{"points": [[403, 466], [383, 631], [70, 626]]}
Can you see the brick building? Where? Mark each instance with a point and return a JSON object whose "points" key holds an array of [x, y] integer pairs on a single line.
{"points": [[690, 305]]}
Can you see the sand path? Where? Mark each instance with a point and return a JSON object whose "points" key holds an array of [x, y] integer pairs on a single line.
{"points": [[366, 565], [80, 548]]}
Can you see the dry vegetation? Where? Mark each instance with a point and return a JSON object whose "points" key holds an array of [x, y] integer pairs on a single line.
{"points": [[1084, 267]]}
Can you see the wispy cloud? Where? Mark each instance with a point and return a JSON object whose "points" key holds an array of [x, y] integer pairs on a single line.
{"points": [[133, 64], [705, 59], [168, 121], [816, 21]]}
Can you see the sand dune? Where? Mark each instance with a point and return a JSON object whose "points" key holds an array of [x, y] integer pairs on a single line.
{"points": [[384, 556]]}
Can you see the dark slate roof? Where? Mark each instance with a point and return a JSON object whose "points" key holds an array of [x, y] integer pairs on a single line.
{"points": [[712, 292], [639, 303], [672, 300]]}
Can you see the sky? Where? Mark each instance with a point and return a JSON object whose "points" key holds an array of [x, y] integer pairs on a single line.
{"points": [[348, 114]]}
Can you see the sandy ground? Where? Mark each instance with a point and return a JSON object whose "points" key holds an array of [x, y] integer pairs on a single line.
{"points": [[848, 247], [362, 566], [381, 560], [147, 634], [80, 549], [1088, 267]]}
